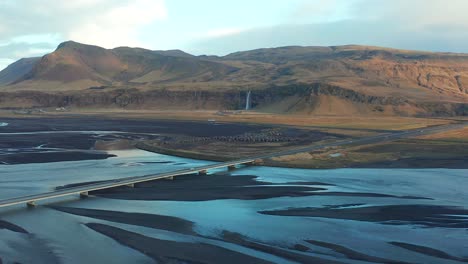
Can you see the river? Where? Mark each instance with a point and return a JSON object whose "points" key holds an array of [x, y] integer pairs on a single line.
{"points": [[342, 215]]}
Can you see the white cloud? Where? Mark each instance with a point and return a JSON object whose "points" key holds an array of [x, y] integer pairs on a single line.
{"points": [[118, 26], [319, 11], [28, 24], [28, 27], [415, 14], [84, 19], [222, 32], [435, 25]]}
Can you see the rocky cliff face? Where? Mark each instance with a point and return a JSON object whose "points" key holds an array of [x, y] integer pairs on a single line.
{"points": [[285, 99]]}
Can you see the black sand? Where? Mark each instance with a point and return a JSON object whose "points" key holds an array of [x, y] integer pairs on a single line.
{"points": [[287, 254], [428, 251], [66, 146], [352, 254], [12, 227], [190, 128], [165, 251], [168, 223], [224, 186], [424, 215], [42, 157], [206, 187], [182, 226]]}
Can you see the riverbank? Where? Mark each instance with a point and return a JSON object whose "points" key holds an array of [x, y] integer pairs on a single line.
{"points": [[404, 153], [51, 138], [54, 139]]}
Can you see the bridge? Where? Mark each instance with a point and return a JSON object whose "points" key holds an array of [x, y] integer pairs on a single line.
{"points": [[84, 190]]}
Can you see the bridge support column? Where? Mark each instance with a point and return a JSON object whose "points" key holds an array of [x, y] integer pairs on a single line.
{"points": [[131, 185], [202, 172], [31, 204], [84, 195], [231, 167]]}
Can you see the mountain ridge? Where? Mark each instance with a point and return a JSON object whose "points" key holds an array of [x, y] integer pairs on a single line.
{"points": [[415, 77]]}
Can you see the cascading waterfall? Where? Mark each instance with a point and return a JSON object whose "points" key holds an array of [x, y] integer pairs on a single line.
{"points": [[247, 102]]}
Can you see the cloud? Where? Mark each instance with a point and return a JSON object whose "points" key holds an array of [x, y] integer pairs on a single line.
{"points": [[29, 27], [17, 50], [107, 23], [222, 32], [379, 33], [433, 25], [5, 62], [118, 26], [416, 14], [315, 11]]}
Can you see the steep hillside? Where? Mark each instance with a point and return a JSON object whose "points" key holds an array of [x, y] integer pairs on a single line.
{"points": [[73, 61], [309, 80], [77, 66], [174, 53], [17, 70], [421, 76]]}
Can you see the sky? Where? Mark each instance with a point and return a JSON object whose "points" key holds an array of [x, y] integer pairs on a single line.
{"points": [[31, 28]]}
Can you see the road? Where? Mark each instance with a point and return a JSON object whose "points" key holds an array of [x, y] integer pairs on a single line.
{"points": [[387, 137], [130, 181]]}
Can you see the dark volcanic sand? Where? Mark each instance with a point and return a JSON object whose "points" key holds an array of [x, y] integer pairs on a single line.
{"points": [[182, 226], [189, 128], [351, 254], [428, 251], [168, 223], [165, 251], [223, 186], [287, 254], [423, 163], [204, 188], [66, 146], [425, 215], [12, 227], [43, 157]]}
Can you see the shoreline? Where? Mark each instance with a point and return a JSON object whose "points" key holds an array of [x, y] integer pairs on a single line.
{"points": [[404, 163]]}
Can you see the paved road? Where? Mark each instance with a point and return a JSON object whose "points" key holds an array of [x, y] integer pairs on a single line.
{"points": [[132, 180]]}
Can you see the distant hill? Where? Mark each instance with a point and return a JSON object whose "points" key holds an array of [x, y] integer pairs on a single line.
{"points": [[74, 65], [17, 70], [313, 80], [174, 53]]}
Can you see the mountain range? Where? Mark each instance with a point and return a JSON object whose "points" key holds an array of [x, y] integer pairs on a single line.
{"points": [[335, 80]]}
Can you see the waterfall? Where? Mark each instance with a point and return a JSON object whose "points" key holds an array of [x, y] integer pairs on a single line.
{"points": [[247, 102]]}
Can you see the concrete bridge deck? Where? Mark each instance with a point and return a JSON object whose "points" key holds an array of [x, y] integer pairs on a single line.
{"points": [[130, 181]]}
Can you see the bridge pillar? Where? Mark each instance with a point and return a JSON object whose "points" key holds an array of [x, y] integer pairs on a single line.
{"points": [[84, 195], [31, 204], [131, 185], [202, 172], [231, 167]]}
